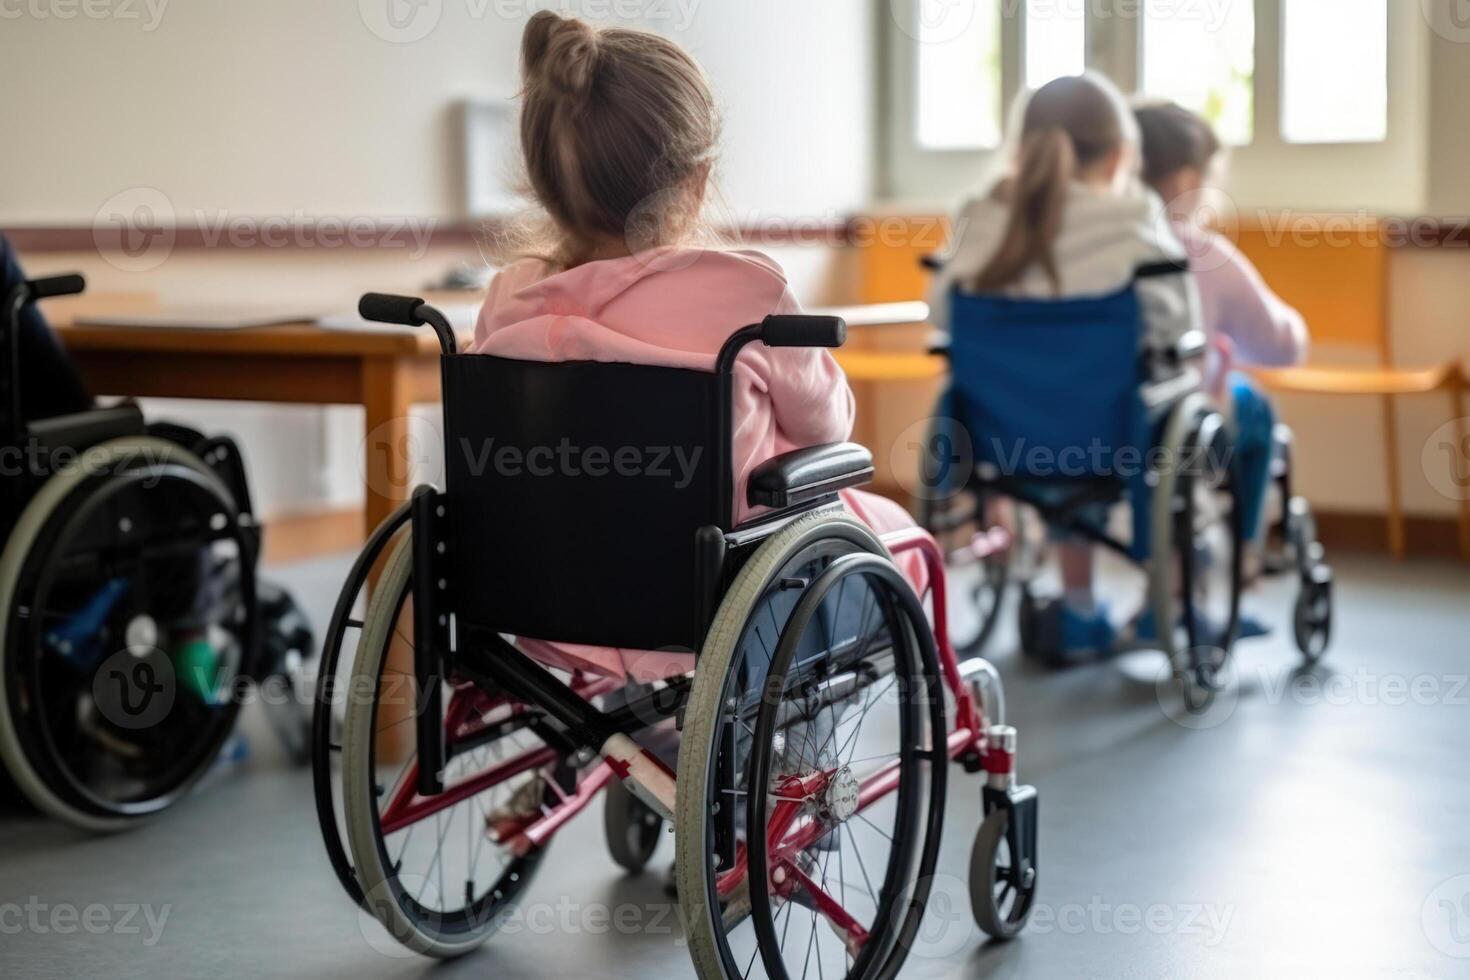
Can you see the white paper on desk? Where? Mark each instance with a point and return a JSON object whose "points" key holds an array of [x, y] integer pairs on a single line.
{"points": [[201, 316], [461, 317]]}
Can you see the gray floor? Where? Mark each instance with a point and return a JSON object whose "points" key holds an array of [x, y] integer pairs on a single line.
{"points": [[1312, 825]]}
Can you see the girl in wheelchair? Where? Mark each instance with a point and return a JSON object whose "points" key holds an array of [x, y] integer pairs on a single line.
{"points": [[619, 274], [1072, 221], [1245, 320], [533, 638]]}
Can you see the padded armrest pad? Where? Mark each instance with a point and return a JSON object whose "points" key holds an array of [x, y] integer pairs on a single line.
{"points": [[808, 474], [86, 429]]}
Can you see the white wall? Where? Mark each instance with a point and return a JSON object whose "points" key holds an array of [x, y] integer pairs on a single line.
{"points": [[276, 106]]}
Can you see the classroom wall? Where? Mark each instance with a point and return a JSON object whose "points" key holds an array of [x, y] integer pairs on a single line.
{"points": [[274, 107], [219, 112]]}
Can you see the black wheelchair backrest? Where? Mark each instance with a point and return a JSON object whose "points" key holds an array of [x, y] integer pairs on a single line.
{"points": [[576, 492]]}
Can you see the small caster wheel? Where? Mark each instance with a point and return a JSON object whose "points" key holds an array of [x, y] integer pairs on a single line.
{"points": [[1313, 615], [632, 828], [1002, 885]]}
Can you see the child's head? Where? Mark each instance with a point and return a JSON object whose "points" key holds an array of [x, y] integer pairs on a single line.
{"points": [[1179, 148], [613, 121], [1076, 129]]}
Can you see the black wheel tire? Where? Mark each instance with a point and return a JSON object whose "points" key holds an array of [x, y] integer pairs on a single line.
{"points": [[632, 828], [1312, 617], [991, 913]]}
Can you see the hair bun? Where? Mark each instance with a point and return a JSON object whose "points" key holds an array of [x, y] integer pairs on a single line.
{"points": [[560, 52]]}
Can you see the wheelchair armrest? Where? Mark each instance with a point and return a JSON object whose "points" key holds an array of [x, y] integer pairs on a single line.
{"points": [[87, 429], [804, 475]]}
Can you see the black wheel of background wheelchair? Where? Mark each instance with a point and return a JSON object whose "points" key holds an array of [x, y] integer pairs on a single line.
{"points": [[129, 615], [954, 515], [1312, 614], [1196, 519], [954, 521], [794, 685], [442, 892], [333, 682]]}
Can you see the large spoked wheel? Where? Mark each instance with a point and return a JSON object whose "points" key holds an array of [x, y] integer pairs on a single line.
{"points": [[1195, 590], [438, 872], [811, 772], [333, 682], [1001, 892], [127, 619]]}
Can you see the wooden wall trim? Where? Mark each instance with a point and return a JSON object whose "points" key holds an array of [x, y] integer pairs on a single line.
{"points": [[35, 239]]}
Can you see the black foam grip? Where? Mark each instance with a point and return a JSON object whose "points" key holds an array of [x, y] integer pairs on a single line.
{"points": [[56, 286], [803, 331], [386, 308]]}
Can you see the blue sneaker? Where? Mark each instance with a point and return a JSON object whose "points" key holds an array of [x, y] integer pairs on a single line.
{"points": [[1084, 634]]}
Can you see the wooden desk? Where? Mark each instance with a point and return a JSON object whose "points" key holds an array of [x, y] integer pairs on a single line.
{"points": [[387, 373], [299, 364]]}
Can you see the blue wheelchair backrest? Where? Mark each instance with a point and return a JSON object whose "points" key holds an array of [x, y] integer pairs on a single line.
{"points": [[1037, 379]]}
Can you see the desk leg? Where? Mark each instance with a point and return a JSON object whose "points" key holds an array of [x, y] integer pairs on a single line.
{"points": [[1398, 544], [387, 397]]}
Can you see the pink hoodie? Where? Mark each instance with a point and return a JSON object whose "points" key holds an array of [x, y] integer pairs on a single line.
{"points": [[676, 307]]}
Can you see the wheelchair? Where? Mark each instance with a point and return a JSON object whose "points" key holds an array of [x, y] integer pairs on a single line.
{"points": [[1138, 430], [779, 700], [129, 608]]}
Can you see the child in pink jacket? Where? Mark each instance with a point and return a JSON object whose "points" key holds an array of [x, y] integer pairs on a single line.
{"points": [[619, 131]]}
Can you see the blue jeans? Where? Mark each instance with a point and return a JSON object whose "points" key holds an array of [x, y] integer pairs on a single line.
{"points": [[1255, 446]]}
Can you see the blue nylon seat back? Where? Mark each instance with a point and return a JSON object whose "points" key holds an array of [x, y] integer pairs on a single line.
{"points": [[1042, 385]]}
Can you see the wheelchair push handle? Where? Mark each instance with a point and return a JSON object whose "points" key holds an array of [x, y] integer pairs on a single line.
{"points": [[803, 331], [67, 285], [408, 311]]}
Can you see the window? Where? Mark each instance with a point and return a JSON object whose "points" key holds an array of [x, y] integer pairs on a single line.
{"points": [[1203, 57], [959, 81], [1334, 71], [1056, 40]]}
